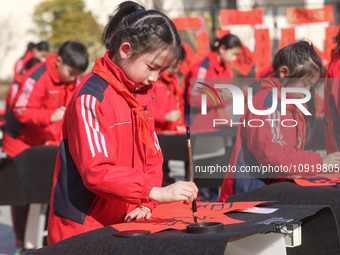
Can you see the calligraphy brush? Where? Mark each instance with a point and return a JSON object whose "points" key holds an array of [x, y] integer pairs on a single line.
{"points": [[194, 206], [53, 96], [333, 141]]}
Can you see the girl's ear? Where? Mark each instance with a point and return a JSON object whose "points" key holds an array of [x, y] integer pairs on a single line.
{"points": [[221, 49], [125, 50], [283, 71]]}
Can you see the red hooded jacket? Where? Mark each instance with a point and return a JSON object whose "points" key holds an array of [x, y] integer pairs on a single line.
{"points": [[40, 95], [20, 64], [103, 169], [270, 144], [332, 104], [167, 96]]}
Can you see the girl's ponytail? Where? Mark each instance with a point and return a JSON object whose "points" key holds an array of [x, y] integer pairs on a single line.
{"points": [[123, 10], [228, 41]]}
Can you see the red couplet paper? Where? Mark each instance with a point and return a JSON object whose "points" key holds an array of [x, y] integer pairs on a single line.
{"points": [[316, 181], [222, 32], [193, 22], [190, 59], [331, 33], [263, 50], [244, 61], [202, 44], [178, 215], [287, 37], [235, 17], [297, 16]]}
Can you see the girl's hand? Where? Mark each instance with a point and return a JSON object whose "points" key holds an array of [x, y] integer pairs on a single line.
{"points": [[173, 115], [140, 212], [180, 128], [58, 114], [332, 159], [179, 191]]}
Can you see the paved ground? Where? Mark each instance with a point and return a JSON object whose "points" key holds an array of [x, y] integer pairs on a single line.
{"points": [[6, 233], [7, 246]]}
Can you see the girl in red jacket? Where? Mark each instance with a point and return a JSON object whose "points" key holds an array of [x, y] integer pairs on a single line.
{"points": [[39, 51], [167, 95], [274, 144], [224, 52], [109, 165], [332, 100]]}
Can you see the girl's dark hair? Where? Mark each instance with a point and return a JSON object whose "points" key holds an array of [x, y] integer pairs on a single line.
{"points": [[74, 54], [302, 62], [30, 46], [337, 41], [228, 41], [42, 46], [32, 62], [145, 30]]}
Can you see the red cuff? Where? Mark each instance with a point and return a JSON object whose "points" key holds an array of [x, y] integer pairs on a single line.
{"points": [[146, 192], [151, 205]]}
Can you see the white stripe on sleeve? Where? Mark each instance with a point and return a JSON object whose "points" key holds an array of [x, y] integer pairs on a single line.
{"points": [[88, 133], [91, 115]]}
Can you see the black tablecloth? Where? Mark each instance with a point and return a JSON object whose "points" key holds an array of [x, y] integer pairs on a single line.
{"points": [[289, 193], [27, 178], [102, 241]]}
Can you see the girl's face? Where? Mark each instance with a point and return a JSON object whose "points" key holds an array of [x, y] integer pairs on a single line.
{"points": [[304, 82], [228, 55], [145, 69], [40, 54], [66, 73]]}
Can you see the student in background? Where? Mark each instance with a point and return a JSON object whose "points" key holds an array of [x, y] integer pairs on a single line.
{"points": [[169, 114], [40, 104], [224, 52], [39, 51], [298, 66], [14, 86], [332, 100], [109, 164], [35, 118]]}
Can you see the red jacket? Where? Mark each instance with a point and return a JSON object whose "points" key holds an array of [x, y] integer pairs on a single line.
{"points": [[332, 103], [20, 64], [29, 122], [103, 170], [208, 68], [12, 92], [167, 96], [269, 144]]}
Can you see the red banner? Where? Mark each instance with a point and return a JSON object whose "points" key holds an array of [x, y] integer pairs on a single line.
{"points": [[287, 37], [190, 59], [202, 44], [222, 32], [331, 33], [245, 61], [188, 22], [263, 50], [235, 17], [301, 16]]}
